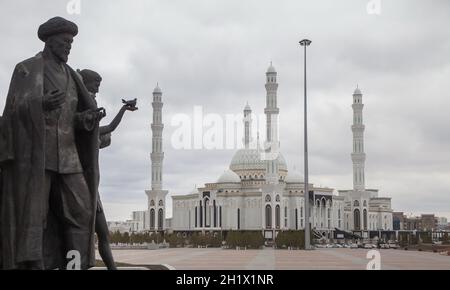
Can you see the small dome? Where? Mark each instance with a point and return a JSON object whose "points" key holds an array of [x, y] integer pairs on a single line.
{"points": [[271, 69], [357, 92], [228, 176], [247, 107], [157, 90], [294, 177]]}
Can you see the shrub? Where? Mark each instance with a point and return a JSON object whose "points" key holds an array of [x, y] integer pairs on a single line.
{"points": [[403, 239], [413, 239], [174, 240], [445, 239], [215, 241], [425, 237], [125, 238], [206, 240], [249, 239], [295, 239], [155, 237]]}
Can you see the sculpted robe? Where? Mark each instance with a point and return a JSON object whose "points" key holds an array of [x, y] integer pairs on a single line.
{"points": [[27, 233]]}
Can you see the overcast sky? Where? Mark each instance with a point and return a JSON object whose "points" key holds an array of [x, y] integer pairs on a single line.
{"points": [[214, 54]]}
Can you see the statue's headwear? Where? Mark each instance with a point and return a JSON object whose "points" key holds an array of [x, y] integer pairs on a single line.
{"points": [[56, 25], [89, 75]]}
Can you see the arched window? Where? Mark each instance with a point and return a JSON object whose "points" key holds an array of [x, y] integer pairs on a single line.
{"points": [[215, 213], [339, 213], [200, 214], [365, 203], [268, 199], [160, 219], [161, 203], [207, 213], [285, 216], [239, 219], [277, 198], [357, 220], [152, 202], [196, 216], [365, 219], [356, 203], [189, 221], [220, 216], [152, 219], [268, 217], [277, 216]]}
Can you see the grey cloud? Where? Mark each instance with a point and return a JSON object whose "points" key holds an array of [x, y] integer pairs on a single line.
{"points": [[215, 54]]}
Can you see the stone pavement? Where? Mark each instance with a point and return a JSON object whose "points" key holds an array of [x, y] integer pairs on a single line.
{"points": [[269, 259]]}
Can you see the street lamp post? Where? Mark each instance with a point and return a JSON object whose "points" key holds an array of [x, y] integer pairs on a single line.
{"points": [[305, 43]]}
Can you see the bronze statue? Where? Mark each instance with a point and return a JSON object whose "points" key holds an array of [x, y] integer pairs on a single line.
{"points": [[2, 150], [92, 81], [50, 168]]}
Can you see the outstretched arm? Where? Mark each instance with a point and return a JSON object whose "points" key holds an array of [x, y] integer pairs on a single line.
{"points": [[115, 122]]}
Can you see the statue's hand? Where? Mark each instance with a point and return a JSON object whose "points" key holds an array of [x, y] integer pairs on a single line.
{"points": [[130, 105], [100, 113], [132, 109], [94, 116], [53, 100]]}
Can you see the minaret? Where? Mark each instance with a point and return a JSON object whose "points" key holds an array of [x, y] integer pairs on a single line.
{"points": [[157, 155], [155, 220], [271, 111], [247, 126], [272, 187], [358, 155]]}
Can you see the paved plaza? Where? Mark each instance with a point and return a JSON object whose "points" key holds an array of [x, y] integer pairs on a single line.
{"points": [[269, 259]]}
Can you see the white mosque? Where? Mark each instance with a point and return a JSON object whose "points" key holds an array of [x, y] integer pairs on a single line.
{"points": [[259, 193]]}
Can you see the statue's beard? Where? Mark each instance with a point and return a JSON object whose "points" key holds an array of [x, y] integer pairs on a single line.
{"points": [[63, 56]]}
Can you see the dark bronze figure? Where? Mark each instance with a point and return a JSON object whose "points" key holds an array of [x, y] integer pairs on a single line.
{"points": [[92, 81], [50, 165]]}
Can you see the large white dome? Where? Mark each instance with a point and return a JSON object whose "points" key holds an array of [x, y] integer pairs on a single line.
{"points": [[294, 177], [250, 159], [228, 176]]}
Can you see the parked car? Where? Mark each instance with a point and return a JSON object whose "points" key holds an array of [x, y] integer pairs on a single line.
{"points": [[384, 246], [393, 245], [353, 246]]}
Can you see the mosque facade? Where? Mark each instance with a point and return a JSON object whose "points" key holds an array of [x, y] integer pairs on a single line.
{"points": [[257, 192]]}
